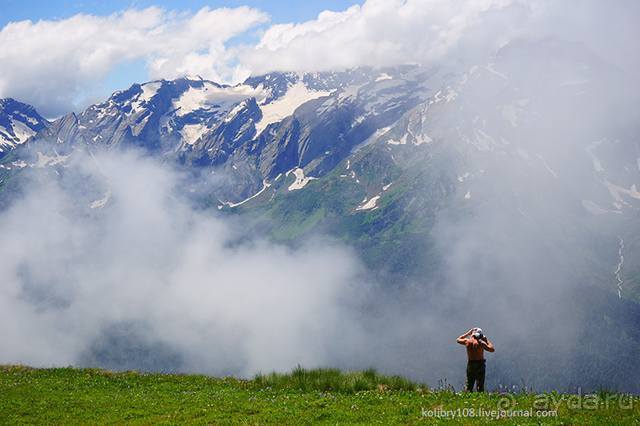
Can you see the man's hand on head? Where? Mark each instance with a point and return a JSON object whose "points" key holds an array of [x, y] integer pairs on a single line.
{"points": [[463, 338]]}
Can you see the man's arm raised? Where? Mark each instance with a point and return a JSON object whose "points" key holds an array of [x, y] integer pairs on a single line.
{"points": [[463, 338], [487, 345]]}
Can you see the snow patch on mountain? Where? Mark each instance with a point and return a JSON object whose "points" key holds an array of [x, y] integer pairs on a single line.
{"points": [[44, 160], [372, 203], [100, 203], [382, 131], [463, 177], [234, 112], [265, 185], [21, 131], [283, 107], [18, 122], [211, 96], [149, 90], [369, 204], [401, 141], [383, 76], [301, 180], [451, 95], [421, 139], [617, 192], [192, 132], [349, 92], [416, 139]]}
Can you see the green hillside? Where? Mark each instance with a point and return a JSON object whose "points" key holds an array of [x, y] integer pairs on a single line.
{"points": [[88, 396]]}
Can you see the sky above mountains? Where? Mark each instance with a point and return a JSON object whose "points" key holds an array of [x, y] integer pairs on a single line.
{"points": [[281, 11], [63, 55]]}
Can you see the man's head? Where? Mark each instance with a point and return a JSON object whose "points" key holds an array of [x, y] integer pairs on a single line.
{"points": [[477, 333]]}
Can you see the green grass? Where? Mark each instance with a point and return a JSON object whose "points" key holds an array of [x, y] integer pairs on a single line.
{"points": [[333, 380], [89, 396]]}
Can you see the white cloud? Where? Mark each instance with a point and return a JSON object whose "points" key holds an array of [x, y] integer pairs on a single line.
{"points": [[378, 33], [50, 63], [147, 260], [391, 32]]}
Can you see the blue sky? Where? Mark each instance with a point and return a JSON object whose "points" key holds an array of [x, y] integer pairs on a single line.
{"points": [[281, 11]]}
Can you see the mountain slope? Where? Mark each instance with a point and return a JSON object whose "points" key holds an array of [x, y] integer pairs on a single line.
{"points": [[264, 127], [18, 122], [95, 396]]}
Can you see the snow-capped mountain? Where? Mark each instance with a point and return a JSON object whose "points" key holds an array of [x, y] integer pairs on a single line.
{"points": [[313, 122], [18, 122], [290, 124], [257, 130], [158, 116]]}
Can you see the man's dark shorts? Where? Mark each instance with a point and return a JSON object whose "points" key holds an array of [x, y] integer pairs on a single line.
{"points": [[475, 374]]}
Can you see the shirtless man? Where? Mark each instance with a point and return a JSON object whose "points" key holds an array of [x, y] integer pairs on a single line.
{"points": [[476, 344]]}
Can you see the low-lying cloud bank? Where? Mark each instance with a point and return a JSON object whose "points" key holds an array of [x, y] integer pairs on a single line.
{"points": [[148, 281], [107, 263]]}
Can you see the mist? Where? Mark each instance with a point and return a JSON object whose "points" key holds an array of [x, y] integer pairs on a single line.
{"points": [[538, 143], [148, 281]]}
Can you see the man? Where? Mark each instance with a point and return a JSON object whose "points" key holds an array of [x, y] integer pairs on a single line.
{"points": [[476, 344]]}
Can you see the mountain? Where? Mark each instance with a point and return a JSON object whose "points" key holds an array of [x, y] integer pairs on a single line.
{"points": [[256, 130], [506, 190], [18, 122]]}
